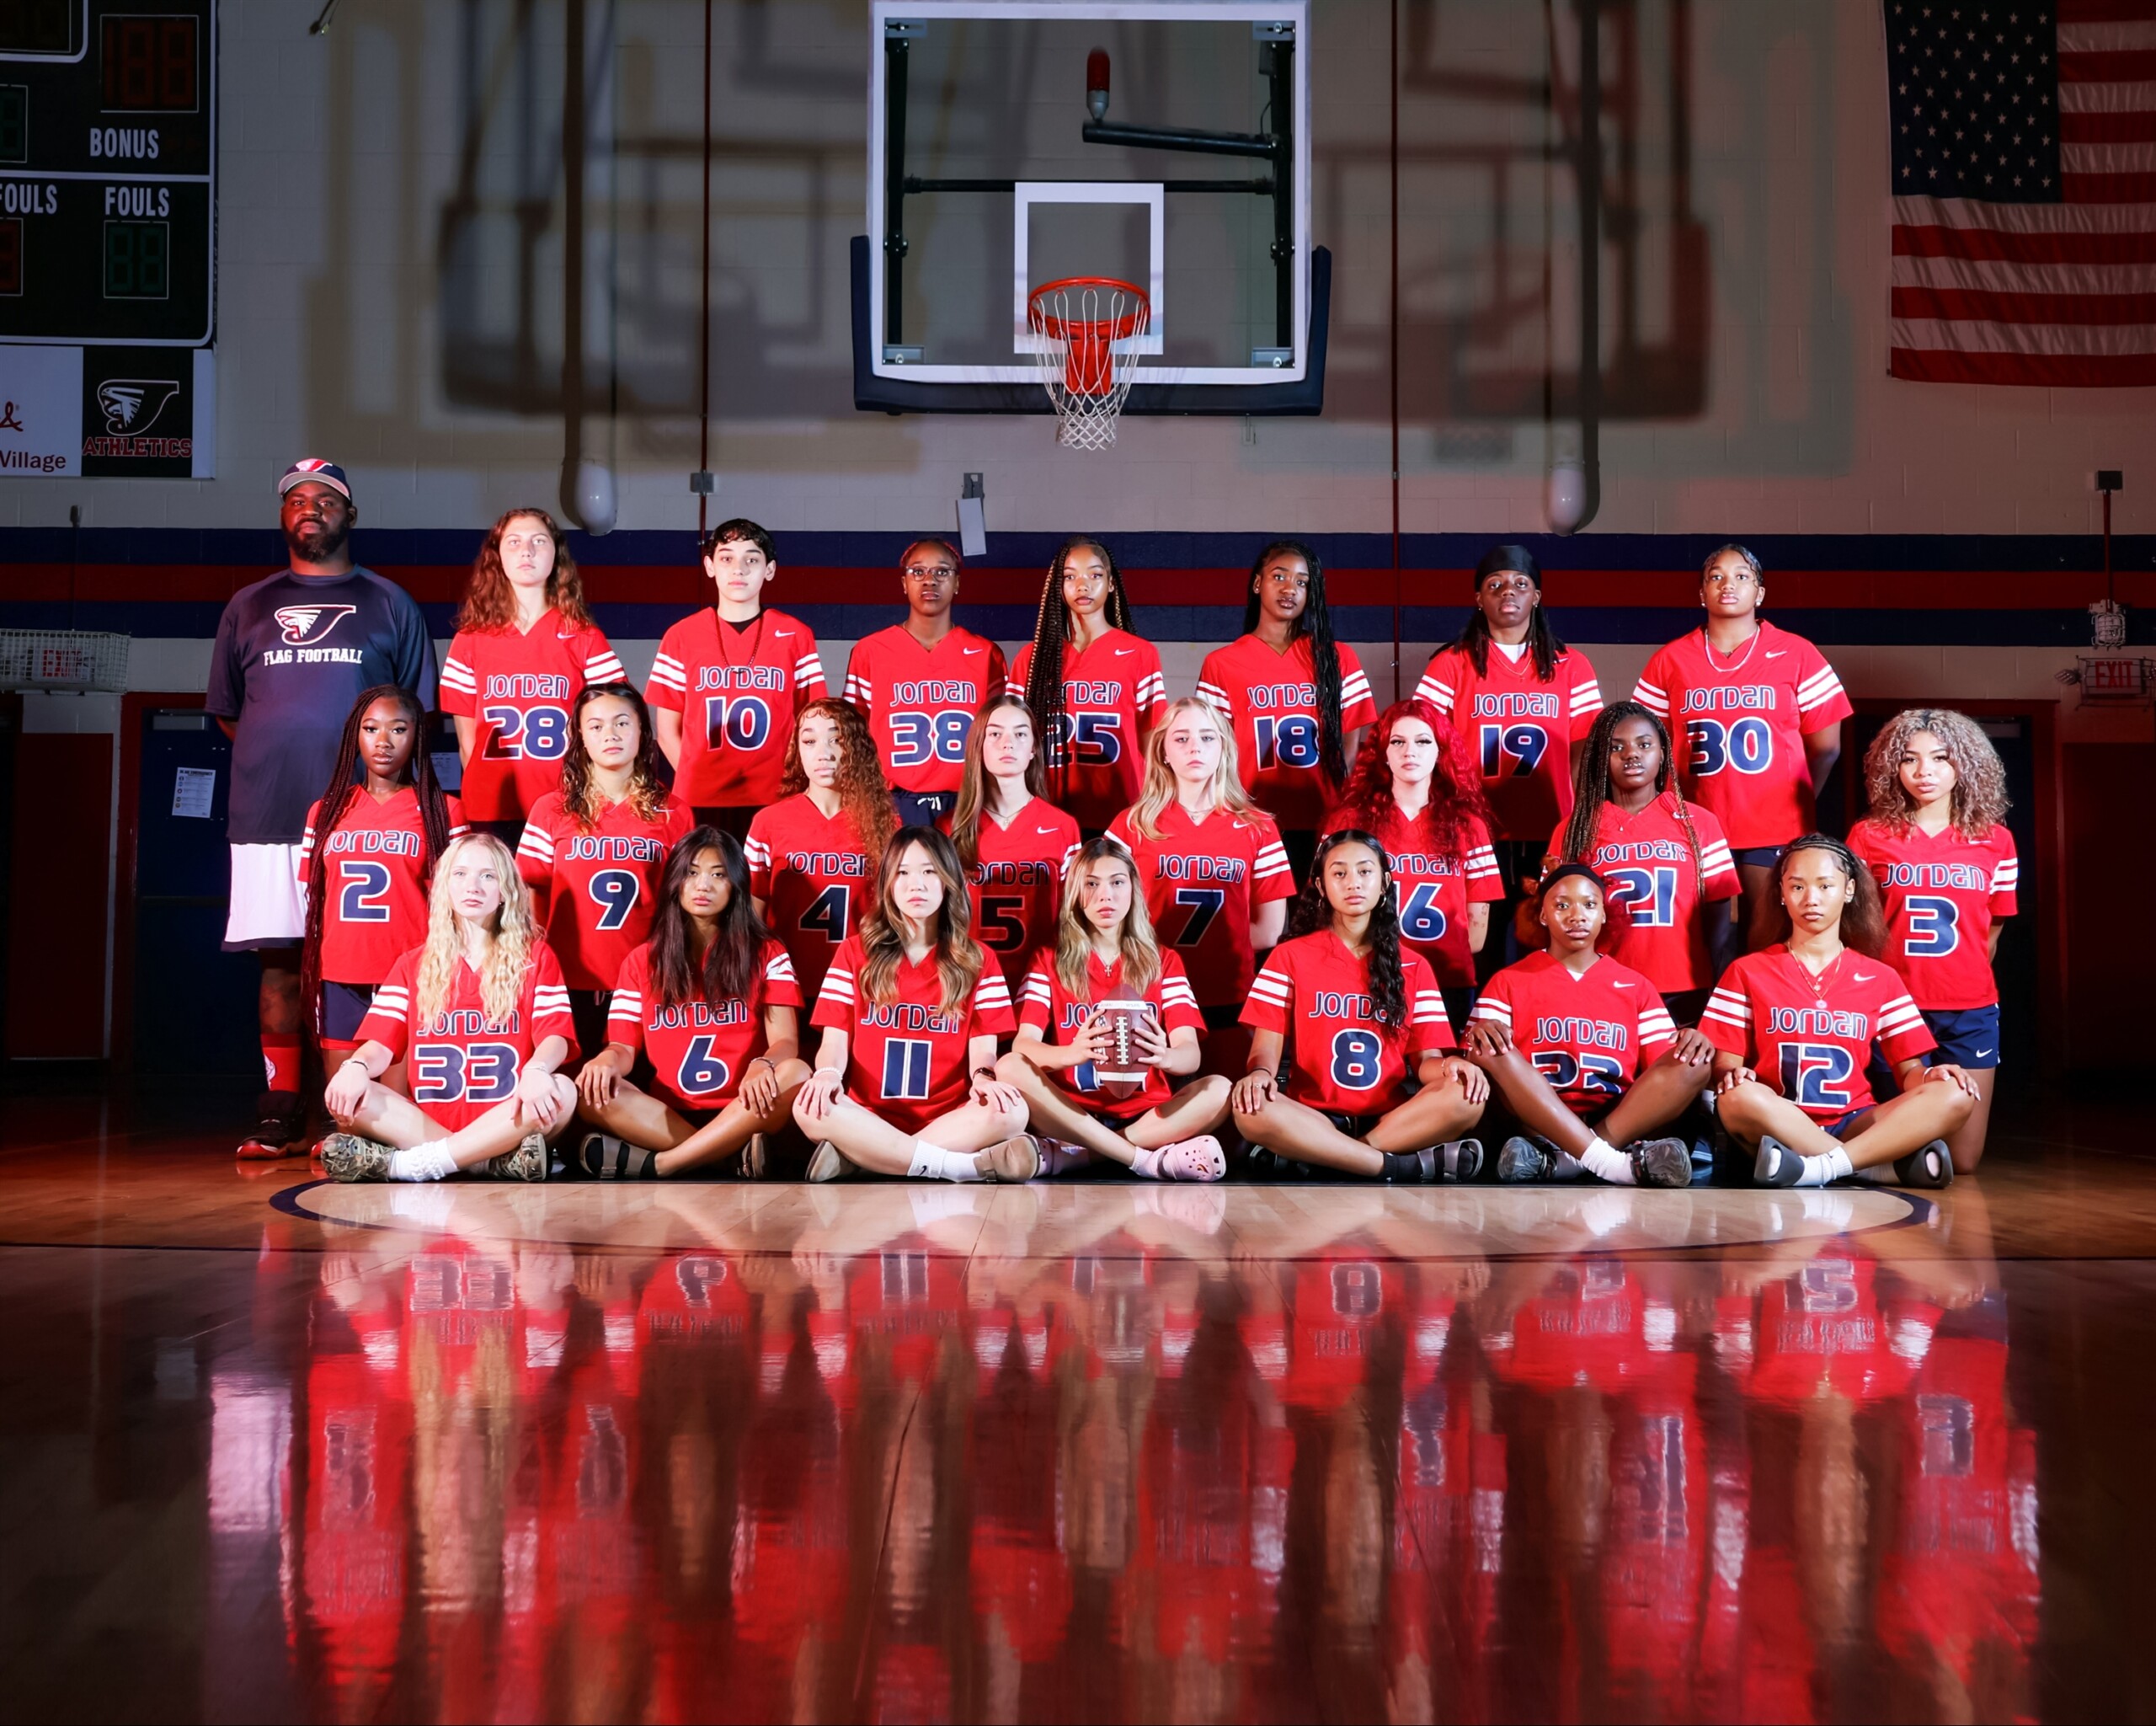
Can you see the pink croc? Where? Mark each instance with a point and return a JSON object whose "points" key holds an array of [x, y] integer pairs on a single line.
{"points": [[1198, 1159]]}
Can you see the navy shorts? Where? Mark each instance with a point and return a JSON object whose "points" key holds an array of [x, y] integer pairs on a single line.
{"points": [[343, 1005], [1968, 1038], [1760, 856], [1841, 1123], [923, 808]]}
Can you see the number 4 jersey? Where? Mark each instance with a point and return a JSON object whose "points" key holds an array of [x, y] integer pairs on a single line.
{"points": [[1517, 729], [1941, 893], [594, 888], [374, 870], [1810, 1038], [697, 1052], [458, 1064], [815, 878], [1588, 1033], [517, 687], [1341, 1059]]}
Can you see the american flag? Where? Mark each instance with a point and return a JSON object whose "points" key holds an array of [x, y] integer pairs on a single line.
{"points": [[2024, 175]]}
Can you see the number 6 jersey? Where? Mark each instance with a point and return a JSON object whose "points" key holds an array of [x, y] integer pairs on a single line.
{"points": [[595, 887], [697, 1052], [1341, 1060], [1810, 1038], [458, 1064]]}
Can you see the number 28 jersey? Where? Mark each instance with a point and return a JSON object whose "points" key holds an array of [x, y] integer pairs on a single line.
{"points": [[596, 888], [1341, 1059], [698, 1053], [373, 873], [460, 1064], [1942, 892], [1112, 694], [1810, 1038], [517, 687]]}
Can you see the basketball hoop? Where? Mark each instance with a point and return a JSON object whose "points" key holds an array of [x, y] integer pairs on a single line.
{"points": [[1086, 325]]}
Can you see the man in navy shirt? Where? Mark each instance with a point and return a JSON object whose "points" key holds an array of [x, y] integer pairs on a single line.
{"points": [[292, 653]]}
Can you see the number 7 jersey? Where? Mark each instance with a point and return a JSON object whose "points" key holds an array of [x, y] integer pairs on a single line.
{"points": [[1810, 1038]]}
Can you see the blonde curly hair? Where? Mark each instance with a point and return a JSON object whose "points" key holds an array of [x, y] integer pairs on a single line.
{"points": [[1979, 800], [516, 937]]}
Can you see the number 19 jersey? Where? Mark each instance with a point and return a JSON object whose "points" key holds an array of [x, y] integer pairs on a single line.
{"points": [[516, 686], [596, 887], [1341, 1059], [814, 878], [919, 702], [1810, 1038], [1942, 892], [1516, 730]]}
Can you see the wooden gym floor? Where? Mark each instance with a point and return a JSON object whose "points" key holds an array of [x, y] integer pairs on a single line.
{"points": [[274, 1448]]}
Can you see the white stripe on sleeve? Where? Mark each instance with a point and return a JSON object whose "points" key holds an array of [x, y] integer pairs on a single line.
{"points": [[667, 673], [1656, 701]]}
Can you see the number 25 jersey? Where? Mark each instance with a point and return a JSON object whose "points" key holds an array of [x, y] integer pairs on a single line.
{"points": [[1941, 893], [1810, 1038], [460, 1064], [1112, 694]]}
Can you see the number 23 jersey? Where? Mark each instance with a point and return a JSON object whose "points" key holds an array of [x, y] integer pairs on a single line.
{"points": [[1941, 892], [697, 1054], [459, 1066], [597, 887], [1342, 1060], [1588, 1034], [1810, 1038]]}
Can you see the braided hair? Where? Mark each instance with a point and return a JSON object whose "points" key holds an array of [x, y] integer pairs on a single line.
{"points": [[1315, 622], [1864, 919], [346, 782], [1542, 641], [1312, 912], [1051, 632], [1591, 789]]}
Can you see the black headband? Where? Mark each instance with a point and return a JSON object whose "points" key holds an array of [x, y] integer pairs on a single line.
{"points": [[1507, 556]]}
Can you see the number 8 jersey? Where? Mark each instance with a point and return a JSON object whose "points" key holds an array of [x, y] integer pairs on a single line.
{"points": [[1341, 1059], [459, 1065], [593, 888], [1810, 1038]]}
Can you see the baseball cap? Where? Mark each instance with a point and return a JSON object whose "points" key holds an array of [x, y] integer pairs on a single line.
{"points": [[314, 467]]}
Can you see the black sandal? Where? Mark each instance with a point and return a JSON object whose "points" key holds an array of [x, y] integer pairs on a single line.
{"points": [[605, 1158]]}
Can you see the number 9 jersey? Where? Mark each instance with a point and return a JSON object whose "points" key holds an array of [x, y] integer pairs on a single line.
{"points": [[1810, 1038], [593, 888], [460, 1066], [1341, 1060], [1941, 894]]}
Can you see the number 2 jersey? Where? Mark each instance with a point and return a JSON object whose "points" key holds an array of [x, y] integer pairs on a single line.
{"points": [[1017, 882], [458, 1064], [1588, 1033], [919, 702], [1645, 857], [907, 1059], [697, 1052], [813, 877], [1271, 698], [1517, 729], [1059, 1015], [373, 873], [737, 690], [1341, 1059], [1112, 694], [1741, 720], [1204, 883], [597, 888], [1941, 893], [516, 685], [1810, 1038]]}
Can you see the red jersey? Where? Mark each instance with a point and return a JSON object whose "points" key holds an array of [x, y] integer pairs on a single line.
{"points": [[1204, 881], [1434, 891], [907, 1058], [1744, 719], [596, 890], [1052, 1010], [1341, 1059], [1832, 1326], [460, 1065], [372, 870], [1810, 1038], [1941, 892], [1270, 699], [919, 702], [698, 1053], [1112, 694], [1589, 1035], [737, 692], [517, 687], [1017, 882], [813, 877], [1516, 730], [1664, 892]]}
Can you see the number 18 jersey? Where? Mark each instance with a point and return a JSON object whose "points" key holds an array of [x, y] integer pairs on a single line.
{"points": [[1810, 1038]]}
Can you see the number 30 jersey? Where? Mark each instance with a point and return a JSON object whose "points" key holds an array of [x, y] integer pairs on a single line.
{"points": [[815, 878], [594, 889], [1941, 894], [919, 702], [697, 1052], [1588, 1034], [1341, 1059], [516, 688], [1112, 694], [459, 1065], [372, 872], [1810, 1038], [1516, 730]]}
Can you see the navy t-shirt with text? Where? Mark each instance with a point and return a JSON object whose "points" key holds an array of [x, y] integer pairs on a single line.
{"points": [[292, 655]]}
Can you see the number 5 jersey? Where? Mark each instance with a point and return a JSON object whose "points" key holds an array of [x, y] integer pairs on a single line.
{"points": [[460, 1064]]}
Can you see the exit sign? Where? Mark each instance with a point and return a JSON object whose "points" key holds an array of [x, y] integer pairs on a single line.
{"points": [[2114, 679]]}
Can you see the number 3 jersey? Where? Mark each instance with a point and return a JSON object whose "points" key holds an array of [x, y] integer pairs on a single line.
{"points": [[1810, 1038], [1645, 857], [1059, 1015], [517, 687], [595, 888], [907, 1059], [737, 691], [1112, 694], [374, 872], [1740, 721], [815, 878], [919, 702], [458, 1064], [1204, 881], [1588, 1033], [698, 1051], [1517, 729], [1941, 893], [1272, 700], [1341, 1059]]}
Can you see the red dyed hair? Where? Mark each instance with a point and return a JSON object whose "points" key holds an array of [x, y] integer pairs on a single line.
{"points": [[1456, 797]]}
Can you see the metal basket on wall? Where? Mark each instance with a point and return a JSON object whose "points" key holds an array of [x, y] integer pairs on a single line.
{"points": [[63, 659]]}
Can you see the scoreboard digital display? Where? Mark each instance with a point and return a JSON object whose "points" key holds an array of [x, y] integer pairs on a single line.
{"points": [[107, 171]]}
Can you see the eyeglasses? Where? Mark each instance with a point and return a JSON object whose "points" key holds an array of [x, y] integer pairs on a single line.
{"points": [[928, 572]]}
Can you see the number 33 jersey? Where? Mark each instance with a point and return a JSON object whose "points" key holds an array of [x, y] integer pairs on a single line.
{"points": [[1810, 1038], [1942, 892], [374, 870], [595, 888], [459, 1065], [1588, 1034], [697, 1052], [1341, 1059]]}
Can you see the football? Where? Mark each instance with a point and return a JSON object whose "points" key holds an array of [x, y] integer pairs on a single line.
{"points": [[1124, 1075]]}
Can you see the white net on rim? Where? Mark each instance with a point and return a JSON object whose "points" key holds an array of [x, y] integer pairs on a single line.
{"points": [[1087, 326]]}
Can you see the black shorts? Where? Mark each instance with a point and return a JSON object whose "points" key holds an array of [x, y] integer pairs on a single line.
{"points": [[1222, 1018], [509, 832], [922, 809], [1686, 1005], [588, 1008], [1356, 1126], [343, 1006]]}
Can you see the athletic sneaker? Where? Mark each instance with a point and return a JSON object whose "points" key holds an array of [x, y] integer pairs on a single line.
{"points": [[1777, 1165], [282, 1120], [1019, 1151], [346, 1156], [1931, 1165], [1530, 1159], [527, 1163], [1661, 1162]]}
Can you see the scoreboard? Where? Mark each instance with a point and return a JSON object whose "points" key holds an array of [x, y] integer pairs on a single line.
{"points": [[107, 171]]}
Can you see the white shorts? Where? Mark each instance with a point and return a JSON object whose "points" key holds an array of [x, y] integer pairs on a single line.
{"points": [[269, 907]]}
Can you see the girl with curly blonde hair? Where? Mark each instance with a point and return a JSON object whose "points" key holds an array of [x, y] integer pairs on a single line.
{"points": [[479, 1016], [1936, 841]]}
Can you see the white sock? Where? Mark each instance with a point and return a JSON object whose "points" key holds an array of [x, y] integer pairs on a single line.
{"points": [[1605, 1162], [934, 1163], [1820, 1170], [431, 1162], [1146, 1164]]}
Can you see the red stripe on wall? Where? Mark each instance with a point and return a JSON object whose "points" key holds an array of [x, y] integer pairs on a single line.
{"points": [[2044, 370], [1993, 306]]}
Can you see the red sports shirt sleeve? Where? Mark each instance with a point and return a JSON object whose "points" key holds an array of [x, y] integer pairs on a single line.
{"points": [[1716, 865], [858, 691], [1726, 1019], [1821, 701], [1274, 876], [602, 664], [668, 685], [756, 850], [1485, 884], [781, 987], [1272, 996], [389, 1013], [625, 1008], [1903, 1034], [1657, 1030], [550, 1000], [1037, 1001], [992, 1005], [2005, 877], [458, 685], [834, 1000], [1656, 689], [1179, 1009], [1585, 700], [1438, 685]]}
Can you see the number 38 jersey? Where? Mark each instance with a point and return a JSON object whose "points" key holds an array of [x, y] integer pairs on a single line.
{"points": [[1810, 1038], [815, 878], [1517, 729], [1272, 700], [1740, 721], [593, 889], [1588, 1033], [697, 1052], [1341, 1060], [919, 702], [1112, 694], [907, 1058], [1941, 893], [1204, 881], [459, 1065], [517, 687], [372, 872]]}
